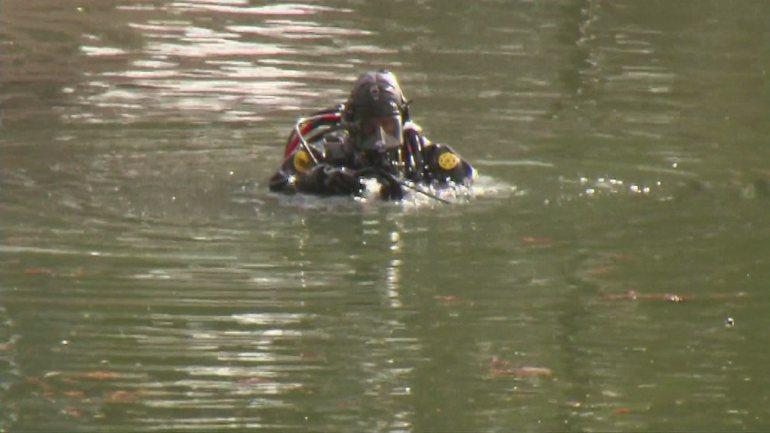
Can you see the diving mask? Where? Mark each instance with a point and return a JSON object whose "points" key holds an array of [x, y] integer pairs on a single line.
{"points": [[383, 133]]}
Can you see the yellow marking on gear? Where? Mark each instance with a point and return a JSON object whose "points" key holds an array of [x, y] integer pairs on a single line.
{"points": [[448, 161], [302, 161]]}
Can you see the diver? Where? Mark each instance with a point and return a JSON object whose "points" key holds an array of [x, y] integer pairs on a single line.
{"points": [[371, 135]]}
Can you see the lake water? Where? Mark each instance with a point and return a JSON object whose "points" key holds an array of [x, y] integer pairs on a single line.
{"points": [[608, 273]]}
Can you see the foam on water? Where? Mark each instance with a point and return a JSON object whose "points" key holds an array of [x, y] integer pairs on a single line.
{"points": [[418, 197]]}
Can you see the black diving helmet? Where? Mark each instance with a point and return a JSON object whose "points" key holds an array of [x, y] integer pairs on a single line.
{"points": [[375, 112]]}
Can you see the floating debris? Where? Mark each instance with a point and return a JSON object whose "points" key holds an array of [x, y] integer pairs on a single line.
{"points": [[633, 295], [501, 367], [121, 396], [449, 299], [39, 271], [47, 272], [96, 375], [254, 380], [535, 241]]}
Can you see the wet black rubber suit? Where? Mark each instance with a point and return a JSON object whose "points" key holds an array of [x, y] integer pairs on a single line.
{"points": [[370, 136]]}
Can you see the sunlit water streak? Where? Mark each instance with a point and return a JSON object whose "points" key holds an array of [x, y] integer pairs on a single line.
{"points": [[188, 64]]}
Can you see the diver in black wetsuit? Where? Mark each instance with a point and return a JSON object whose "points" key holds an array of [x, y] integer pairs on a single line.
{"points": [[370, 136]]}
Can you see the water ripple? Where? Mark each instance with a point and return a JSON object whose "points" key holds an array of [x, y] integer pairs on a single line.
{"points": [[184, 68]]}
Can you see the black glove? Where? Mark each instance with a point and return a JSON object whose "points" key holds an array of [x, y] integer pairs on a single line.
{"points": [[342, 181], [390, 189]]}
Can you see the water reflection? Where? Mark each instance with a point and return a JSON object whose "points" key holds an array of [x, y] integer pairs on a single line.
{"points": [[185, 60], [213, 56]]}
